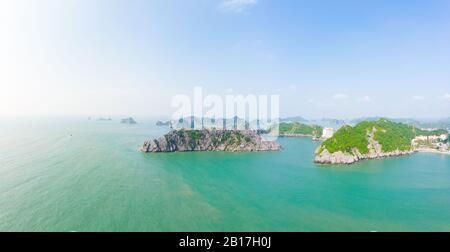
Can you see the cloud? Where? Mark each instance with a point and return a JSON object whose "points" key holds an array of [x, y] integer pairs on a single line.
{"points": [[418, 98], [365, 99], [293, 87], [340, 96], [446, 96], [237, 6]]}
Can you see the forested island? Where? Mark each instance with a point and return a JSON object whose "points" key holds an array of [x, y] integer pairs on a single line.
{"points": [[210, 140], [370, 140], [297, 129]]}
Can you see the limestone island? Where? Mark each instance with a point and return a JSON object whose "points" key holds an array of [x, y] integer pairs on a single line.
{"points": [[372, 140], [128, 120], [161, 123], [185, 140]]}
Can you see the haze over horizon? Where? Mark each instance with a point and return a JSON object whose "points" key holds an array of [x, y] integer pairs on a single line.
{"points": [[336, 59]]}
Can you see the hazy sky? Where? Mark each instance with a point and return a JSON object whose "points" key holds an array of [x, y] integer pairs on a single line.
{"points": [[325, 58]]}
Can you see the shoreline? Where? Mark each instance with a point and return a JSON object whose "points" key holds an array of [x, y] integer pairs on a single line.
{"points": [[433, 151], [387, 156], [314, 138]]}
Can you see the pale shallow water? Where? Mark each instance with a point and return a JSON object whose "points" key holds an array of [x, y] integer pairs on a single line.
{"points": [[80, 175]]}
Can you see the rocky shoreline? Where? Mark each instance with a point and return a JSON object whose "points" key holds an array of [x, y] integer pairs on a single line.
{"points": [[325, 157], [210, 140]]}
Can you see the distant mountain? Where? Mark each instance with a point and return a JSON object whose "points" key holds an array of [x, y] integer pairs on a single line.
{"points": [[376, 118], [219, 123], [324, 122], [329, 122], [420, 123], [128, 120], [442, 123], [294, 119]]}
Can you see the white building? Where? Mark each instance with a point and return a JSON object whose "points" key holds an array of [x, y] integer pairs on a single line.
{"points": [[442, 137], [327, 133]]}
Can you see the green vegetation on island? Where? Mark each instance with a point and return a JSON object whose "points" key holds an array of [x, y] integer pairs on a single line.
{"points": [[300, 129], [390, 135], [347, 138]]}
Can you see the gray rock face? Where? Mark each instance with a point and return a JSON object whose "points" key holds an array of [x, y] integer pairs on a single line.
{"points": [[323, 156], [210, 140]]}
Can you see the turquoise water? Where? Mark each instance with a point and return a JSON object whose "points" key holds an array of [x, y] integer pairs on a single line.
{"points": [[79, 175]]}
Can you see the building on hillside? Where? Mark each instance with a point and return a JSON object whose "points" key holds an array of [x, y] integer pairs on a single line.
{"points": [[327, 133]]}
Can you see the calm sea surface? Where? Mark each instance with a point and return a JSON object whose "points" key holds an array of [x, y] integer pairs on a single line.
{"points": [[80, 175]]}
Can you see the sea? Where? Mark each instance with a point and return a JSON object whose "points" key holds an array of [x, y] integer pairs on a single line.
{"points": [[75, 174]]}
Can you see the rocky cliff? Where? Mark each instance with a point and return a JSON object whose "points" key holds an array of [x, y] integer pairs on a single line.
{"points": [[325, 157], [210, 140]]}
